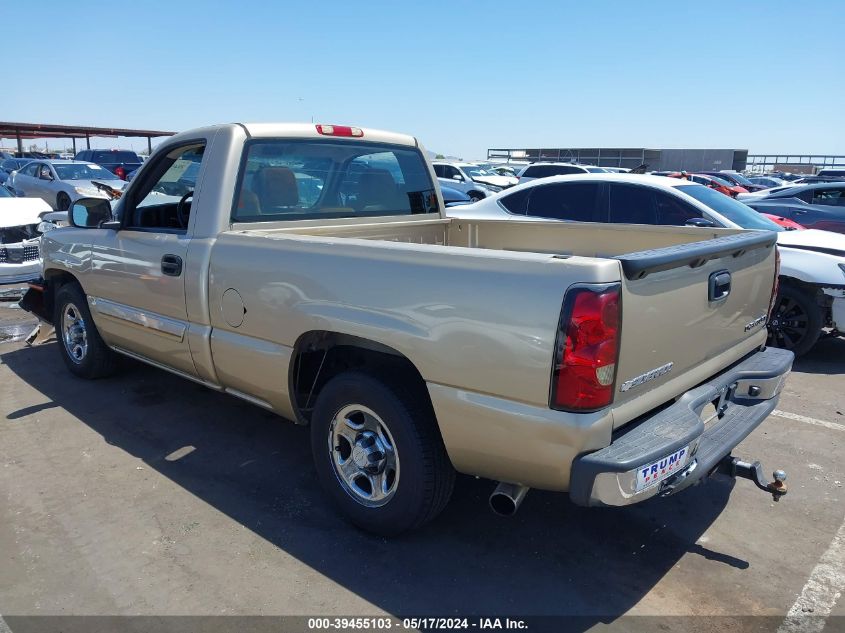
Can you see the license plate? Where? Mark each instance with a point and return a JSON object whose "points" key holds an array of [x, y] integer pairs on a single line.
{"points": [[652, 474]]}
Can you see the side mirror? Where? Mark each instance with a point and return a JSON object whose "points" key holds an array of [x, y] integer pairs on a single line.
{"points": [[89, 213], [702, 223], [458, 178]]}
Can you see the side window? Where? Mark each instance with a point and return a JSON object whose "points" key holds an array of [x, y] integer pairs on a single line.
{"points": [[828, 196], [439, 171], [673, 211], [31, 170], [517, 202], [162, 200], [451, 172], [44, 172], [575, 202], [629, 204]]}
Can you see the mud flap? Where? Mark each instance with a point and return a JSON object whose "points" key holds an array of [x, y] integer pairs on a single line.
{"points": [[33, 302]]}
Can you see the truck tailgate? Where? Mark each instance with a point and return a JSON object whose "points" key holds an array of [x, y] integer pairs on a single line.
{"points": [[686, 309]]}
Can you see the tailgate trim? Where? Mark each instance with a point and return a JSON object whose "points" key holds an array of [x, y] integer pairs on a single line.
{"points": [[638, 265]]}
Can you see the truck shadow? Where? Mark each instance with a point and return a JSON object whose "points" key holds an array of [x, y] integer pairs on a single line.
{"points": [[553, 558], [826, 357]]}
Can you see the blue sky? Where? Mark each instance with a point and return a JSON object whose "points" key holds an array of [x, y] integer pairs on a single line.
{"points": [[462, 76]]}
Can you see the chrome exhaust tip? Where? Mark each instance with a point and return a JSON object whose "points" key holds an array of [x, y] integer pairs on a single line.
{"points": [[506, 498]]}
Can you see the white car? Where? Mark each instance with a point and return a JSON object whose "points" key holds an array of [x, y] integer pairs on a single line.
{"points": [[61, 182], [812, 272], [475, 181], [547, 170], [20, 220]]}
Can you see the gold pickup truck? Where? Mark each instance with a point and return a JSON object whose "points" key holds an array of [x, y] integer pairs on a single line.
{"points": [[311, 270]]}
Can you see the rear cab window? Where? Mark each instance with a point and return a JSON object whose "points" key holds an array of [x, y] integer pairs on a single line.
{"points": [[288, 180], [115, 157]]}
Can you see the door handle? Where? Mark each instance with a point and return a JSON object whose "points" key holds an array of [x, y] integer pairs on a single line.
{"points": [[719, 286], [171, 265]]}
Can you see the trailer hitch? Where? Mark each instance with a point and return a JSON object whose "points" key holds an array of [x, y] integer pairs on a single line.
{"points": [[735, 467]]}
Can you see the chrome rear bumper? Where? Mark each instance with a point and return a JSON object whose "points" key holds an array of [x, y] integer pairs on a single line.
{"points": [[742, 397]]}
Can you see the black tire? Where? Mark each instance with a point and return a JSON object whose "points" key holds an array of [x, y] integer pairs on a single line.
{"points": [[96, 360], [424, 477], [797, 320], [62, 201], [475, 196]]}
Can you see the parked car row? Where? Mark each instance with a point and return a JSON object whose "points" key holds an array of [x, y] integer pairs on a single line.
{"points": [[812, 274], [61, 182]]}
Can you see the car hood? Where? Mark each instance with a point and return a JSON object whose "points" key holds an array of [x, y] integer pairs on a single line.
{"points": [[812, 239], [496, 181], [21, 211]]}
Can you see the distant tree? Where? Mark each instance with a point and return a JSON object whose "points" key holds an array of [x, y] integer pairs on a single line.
{"points": [[439, 157]]}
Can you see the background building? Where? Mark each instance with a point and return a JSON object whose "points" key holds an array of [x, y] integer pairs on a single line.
{"points": [[656, 159]]}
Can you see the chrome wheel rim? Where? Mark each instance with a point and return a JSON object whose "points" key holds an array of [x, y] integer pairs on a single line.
{"points": [[74, 334], [363, 455]]}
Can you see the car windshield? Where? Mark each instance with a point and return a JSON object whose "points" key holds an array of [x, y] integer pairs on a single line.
{"points": [[83, 171], [597, 170], [475, 171], [722, 181], [739, 178], [740, 214]]}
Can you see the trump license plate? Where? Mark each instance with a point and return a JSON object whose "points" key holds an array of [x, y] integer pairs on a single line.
{"points": [[652, 474]]}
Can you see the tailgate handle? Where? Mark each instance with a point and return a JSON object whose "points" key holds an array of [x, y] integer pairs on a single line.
{"points": [[171, 265], [719, 286]]}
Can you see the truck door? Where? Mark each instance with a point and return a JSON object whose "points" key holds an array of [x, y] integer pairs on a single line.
{"points": [[136, 286]]}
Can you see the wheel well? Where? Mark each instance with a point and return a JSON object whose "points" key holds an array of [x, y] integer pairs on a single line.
{"points": [[319, 356], [55, 280]]}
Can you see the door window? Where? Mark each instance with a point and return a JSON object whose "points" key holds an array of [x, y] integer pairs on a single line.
{"points": [[672, 211], [162, 200], [828, 196], [575, 202], [629, 204]]}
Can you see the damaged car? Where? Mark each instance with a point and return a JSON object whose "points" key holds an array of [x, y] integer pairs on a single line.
{"points": [[21, 227]]}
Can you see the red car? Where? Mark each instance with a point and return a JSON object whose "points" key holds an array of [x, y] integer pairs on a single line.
{"points": [[786, 223], [714, 182]]}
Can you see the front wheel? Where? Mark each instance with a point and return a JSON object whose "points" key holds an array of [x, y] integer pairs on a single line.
{"points": [[796, 322], [379, 454], [83, 351], [475, 196]]}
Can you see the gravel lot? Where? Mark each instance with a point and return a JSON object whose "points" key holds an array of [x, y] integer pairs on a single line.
{"points": [[148, 494]]}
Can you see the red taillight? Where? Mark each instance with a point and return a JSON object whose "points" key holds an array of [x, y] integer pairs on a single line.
{"points": [[120, 172], [586, 350], [776, 284], [339, 130]]}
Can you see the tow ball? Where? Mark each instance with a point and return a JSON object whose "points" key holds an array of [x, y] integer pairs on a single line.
{"points": [[734, 467]]}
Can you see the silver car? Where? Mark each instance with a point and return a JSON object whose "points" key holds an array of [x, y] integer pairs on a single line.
{"points": [[61, 182]]}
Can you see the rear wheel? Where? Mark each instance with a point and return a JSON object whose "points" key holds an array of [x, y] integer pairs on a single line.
{"points": [[796, 322], [84, 352], [378, 453], [62, 201]]}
